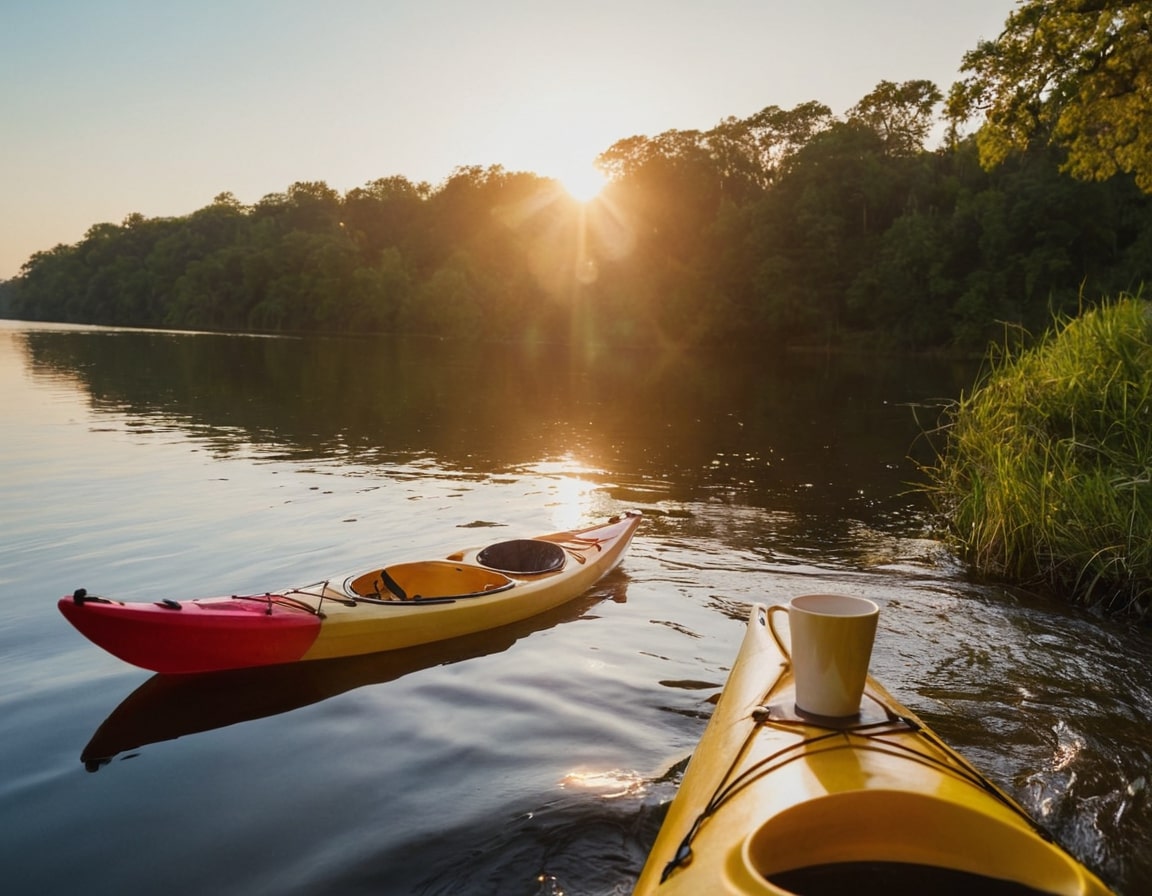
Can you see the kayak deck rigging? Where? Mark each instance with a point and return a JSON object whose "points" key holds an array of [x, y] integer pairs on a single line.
{"points": [[864, 732], [273, 599]]}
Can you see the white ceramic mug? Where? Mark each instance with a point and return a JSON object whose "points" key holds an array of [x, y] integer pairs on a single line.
{"points": [[832, 637]]}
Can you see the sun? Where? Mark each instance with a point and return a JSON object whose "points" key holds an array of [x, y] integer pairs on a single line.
{"points": [[582, 182]]}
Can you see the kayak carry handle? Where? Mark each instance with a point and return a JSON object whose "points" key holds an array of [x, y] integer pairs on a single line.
{"points": [[81, 596]]}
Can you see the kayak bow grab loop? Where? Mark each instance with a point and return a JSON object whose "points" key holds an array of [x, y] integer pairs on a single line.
{"points": [[81, 596]]}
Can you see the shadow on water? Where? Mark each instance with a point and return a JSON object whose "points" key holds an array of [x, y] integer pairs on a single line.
{"points": [[544, 852], [167, 707]]}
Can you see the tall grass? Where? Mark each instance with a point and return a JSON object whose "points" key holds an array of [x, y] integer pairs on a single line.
{"points": [[1045, 477]]}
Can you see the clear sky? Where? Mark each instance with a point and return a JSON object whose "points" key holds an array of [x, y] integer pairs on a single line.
{"points": [[109, 107]]}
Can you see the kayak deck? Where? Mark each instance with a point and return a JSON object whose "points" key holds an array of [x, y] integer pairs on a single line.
{"points": [[775, 801]]}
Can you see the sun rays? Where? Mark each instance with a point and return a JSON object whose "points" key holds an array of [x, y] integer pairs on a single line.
{"points": [[583, 183], [568, 239]]}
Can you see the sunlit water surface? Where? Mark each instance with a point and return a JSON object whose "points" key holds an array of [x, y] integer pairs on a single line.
{"points": [[533, 761]]}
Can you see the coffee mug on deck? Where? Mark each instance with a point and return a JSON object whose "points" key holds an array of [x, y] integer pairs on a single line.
{"points": [[832, 637]]}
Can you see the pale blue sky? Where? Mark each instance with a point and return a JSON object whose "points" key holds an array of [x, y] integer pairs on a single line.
{"points": [[109, 107]]}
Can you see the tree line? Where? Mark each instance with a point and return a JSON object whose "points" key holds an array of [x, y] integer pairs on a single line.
{"points": [[792, 225]]}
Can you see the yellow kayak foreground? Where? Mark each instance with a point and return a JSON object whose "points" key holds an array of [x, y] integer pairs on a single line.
{"points": [[775, 801]]}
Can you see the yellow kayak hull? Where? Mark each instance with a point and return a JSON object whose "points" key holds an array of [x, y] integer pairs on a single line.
{"points": [[777, 802]]}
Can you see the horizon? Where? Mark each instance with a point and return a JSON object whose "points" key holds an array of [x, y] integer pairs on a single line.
{"points": [[130, 109]]}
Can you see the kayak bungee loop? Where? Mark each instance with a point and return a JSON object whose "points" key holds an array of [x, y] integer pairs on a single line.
{"points": [[274, 599], [582, 545], [325, 593]]}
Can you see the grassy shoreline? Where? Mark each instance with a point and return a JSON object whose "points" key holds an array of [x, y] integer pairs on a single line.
{"points": [[1045, 475]]}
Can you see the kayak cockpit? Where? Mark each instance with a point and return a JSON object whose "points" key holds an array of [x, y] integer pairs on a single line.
{"points": [[449, 580], [523, 556], [889, 841], [427, 580]]}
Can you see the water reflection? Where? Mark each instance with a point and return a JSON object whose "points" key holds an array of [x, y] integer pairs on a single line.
{"points": [[757, 430], [166, 707]]}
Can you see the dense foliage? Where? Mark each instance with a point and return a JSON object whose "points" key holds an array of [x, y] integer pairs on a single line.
{"points": [[787, 225], [1045, 473], [1072, 73]]}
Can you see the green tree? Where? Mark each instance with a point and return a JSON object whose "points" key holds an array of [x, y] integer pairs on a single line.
{"points": [[902, 114], [903, 292], [50, 286], [445, 304], [210, 293], [384, 213], [1074, 73], [820, 226], [780, 134]]}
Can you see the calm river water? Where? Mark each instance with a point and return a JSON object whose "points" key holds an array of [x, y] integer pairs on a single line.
{"points": [[536, 761]]}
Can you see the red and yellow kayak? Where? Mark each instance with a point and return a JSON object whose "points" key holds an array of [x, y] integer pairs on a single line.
{"points": [[777, 802], [384, 608]]}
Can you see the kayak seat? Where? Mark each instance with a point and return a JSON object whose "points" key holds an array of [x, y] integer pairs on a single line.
{"points": [[427, 580], [523, 556]]}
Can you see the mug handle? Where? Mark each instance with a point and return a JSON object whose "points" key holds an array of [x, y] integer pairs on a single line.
{"points": [[775, 634]]}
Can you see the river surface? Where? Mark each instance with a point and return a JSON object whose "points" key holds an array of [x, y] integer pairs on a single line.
{"points": [[535, 761]]}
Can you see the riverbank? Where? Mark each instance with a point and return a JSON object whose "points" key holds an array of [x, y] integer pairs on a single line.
{"points": [[1044, 475]]}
